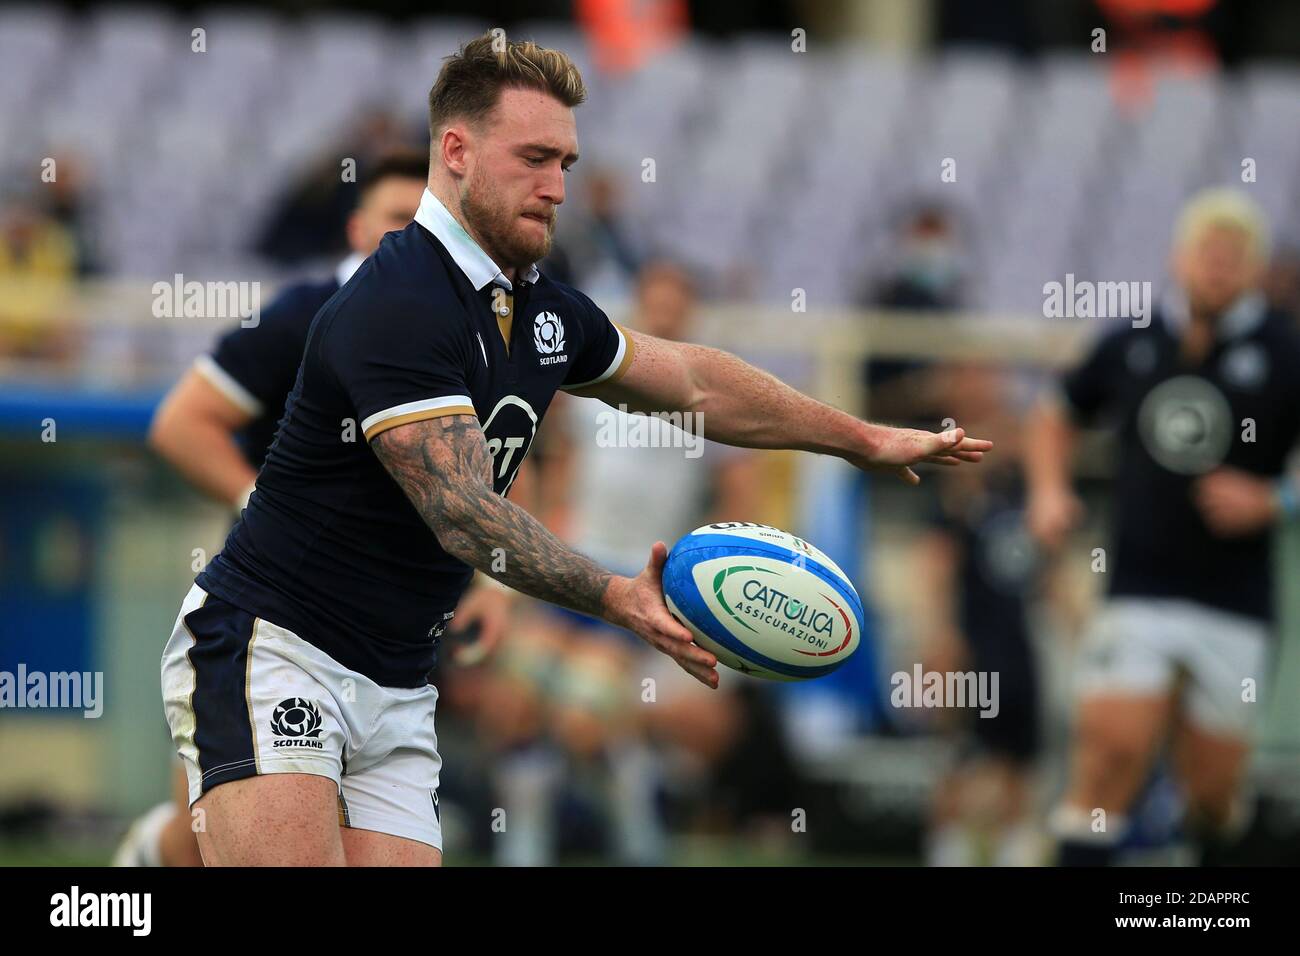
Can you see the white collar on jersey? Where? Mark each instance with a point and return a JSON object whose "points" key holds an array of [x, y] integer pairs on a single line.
{"points": [[1240, 318], [348, 266], [469, 255]]}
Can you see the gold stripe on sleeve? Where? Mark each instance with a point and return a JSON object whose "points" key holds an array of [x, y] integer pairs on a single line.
{"points": [[406, 419], [624, 365]]}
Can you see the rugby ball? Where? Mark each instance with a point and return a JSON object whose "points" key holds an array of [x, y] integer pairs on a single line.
{"points": [[766, 602]]}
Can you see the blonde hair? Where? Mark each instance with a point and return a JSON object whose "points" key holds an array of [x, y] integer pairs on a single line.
{"points": [[1223, 206], [471, 80]]}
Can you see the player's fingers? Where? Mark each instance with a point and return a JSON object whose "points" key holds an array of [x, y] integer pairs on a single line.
{"points": [[924, 444], [907, 476], [691, 652], [939, 443], [707, 676], [672, 629], [942, 460], [658, 556], [676, 641], [687, 655]]}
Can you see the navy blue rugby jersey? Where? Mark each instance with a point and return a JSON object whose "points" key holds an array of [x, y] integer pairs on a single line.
{"points": [[256, 368], [329, 546], [998, 562], [1178, 422]]}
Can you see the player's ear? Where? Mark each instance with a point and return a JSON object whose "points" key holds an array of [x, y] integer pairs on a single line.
{"points": [[453, 146]]}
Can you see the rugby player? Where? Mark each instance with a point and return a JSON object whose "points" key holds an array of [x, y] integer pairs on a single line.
{"points": [[981, 572], [1206, 401], [294, 680]]}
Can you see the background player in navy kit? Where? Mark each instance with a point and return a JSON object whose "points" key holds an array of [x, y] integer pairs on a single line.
{"points": [[1207, 405], [217, 422], [294, 678], [981, 570]]}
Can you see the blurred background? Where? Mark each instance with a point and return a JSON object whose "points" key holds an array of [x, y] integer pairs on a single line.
{"points": [[865, 198]]}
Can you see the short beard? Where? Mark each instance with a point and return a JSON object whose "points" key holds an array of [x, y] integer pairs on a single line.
{"points": [[498, 227]]}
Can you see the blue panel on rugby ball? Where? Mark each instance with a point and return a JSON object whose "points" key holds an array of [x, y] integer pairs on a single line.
{"points": [[765, 602]]}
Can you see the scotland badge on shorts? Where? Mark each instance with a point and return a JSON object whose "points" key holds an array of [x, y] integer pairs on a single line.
{"points": [[296, 723]]}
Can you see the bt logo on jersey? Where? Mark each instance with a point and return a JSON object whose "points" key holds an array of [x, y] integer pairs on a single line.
{"points": [[509, 431]]}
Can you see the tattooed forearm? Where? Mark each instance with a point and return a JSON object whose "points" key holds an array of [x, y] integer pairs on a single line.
{"points": [[444, 467]]}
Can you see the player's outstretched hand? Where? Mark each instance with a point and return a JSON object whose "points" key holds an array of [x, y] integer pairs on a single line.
{"points": [[638, 605], [895, 449]]}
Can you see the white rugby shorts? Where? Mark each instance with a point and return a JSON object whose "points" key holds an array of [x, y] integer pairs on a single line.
{"points": [[245, 697], [1141, 645]]}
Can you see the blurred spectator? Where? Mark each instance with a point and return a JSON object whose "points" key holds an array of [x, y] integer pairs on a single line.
{"points": [[600, 253], [38, 267], [927, 272], [68, 206], [1149, 37], [625, 33], [926, 275]]}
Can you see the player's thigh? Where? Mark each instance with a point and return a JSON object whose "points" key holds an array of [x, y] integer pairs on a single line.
{"points": [[371, 848], [1211, 766], [1127, 673], [1227, 655], [262, 734], [1116, 739], [281, 819]]}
